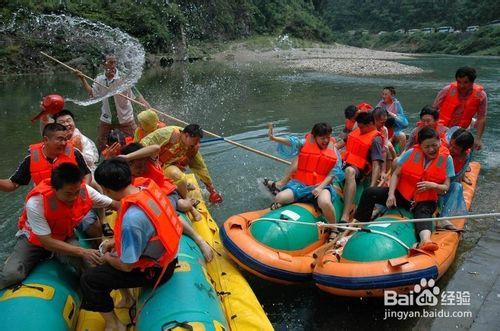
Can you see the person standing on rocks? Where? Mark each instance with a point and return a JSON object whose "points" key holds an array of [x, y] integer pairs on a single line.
{"points": [[116, 111]]}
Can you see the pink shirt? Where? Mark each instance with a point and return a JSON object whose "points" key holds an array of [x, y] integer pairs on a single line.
{"points": [[458, 113]]}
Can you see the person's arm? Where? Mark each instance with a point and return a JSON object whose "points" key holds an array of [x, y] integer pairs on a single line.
{"points": [[62, 247], [272, 137], [85, 84], [376, 157], [7, 185], [480, 125], [439, 188], [393, 183], [375, 172], [317, 190], [148, 151], [199, 168], [102, 201]]}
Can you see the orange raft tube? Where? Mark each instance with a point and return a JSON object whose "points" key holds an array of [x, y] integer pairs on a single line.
{"points": [[357, 278]]}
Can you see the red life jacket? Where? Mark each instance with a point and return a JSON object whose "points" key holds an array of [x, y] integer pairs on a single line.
{"points": [[469, 105], [155, 173], [168, 227], [40, 168], [364, 107], [314, 164], [458, 163], [358, 146], [141, 134], [165, 154], [61, 217], [413, 172]]}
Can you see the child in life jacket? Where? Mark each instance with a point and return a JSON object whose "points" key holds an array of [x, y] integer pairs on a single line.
{"points": [[389, 154], [318, 163], [422, 173]]}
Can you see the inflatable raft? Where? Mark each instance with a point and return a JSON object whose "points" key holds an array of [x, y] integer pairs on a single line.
{"points": [[275, 244], [372, 263], [214, 296]]}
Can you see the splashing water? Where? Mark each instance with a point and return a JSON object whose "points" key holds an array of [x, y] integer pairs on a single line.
{"points": [[88, 41]]}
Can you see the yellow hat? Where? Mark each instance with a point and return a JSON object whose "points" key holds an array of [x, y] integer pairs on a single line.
{"points": [[148, 120]]}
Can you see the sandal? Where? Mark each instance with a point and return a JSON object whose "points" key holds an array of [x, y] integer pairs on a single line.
{"points": [[275, 205], [271, 186]]}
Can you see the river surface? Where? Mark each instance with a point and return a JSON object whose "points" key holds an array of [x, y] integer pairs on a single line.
{"points": [[238, 102]]}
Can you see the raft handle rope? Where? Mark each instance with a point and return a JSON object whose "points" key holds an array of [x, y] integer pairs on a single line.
{"points": [[232, 142]]}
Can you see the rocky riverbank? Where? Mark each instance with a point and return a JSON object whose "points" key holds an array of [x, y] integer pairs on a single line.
{"points": [[336, 58]]}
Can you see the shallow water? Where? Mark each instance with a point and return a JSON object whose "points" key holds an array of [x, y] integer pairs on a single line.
{"points": [[238, 102]]}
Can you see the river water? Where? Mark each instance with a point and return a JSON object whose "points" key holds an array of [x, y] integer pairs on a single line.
{"points": [[238, 102]]}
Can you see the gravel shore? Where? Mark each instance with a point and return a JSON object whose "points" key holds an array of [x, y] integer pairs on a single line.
{"points": [[337, 59]]}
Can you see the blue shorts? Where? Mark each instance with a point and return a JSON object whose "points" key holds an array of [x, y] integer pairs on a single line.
{"points": [[87, 221], [302, 192]]}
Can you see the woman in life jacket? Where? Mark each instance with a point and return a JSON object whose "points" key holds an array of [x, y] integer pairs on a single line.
{"points": [[422, 173], [317, 164], [429, 117]]}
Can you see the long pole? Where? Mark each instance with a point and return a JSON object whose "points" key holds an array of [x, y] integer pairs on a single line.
{"points": [[232, 142]]}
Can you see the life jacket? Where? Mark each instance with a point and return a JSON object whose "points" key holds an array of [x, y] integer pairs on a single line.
{"points": [[167, 151], [41, 168], [458, 164], [61, 217], [358, 146], [413, 171], [469, 105], [349, 124], [439, 127], [314, 164], [364, 107], [141, 134], [155, 173], [168, 227]]}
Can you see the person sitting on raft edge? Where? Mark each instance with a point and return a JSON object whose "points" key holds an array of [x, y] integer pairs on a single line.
{"points": [[318, 163], [421, 174], [144, 249], [180, 148]]}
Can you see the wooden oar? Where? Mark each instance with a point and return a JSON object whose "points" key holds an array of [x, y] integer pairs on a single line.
{"points": [[232, 142]]}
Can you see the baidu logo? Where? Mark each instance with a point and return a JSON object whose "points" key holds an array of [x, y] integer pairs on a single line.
{"points": [[425, 293]]}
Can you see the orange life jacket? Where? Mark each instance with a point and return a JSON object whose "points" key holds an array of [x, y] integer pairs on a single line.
{"points": [[459, 163], [141, 134], [40, 168], [413, 171], [469, 105], [168, 227], [155, 173], [61, 217], [165, 154], [314, 164], [364, 107], [358, 146]]}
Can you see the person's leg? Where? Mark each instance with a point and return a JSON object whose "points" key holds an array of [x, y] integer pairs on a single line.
{"points": [[128, 129], [91, 226], [205, 249], [369, 198], [21, 261], [187, 206], [285, 197], [326, 206], [401, 141], [102, 135], [425, 209], [76, 262], [97, 284], [179, 178], [349, 191]]}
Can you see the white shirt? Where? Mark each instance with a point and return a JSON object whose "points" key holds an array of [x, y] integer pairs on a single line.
{"points": [[124, 108], [35, 211], [89, 150]]}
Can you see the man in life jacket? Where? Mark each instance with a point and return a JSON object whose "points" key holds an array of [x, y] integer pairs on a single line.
{"points": [[421, 174], [144, 249], [77, 139], [43, 157], [364, 155], [429, 117], [461, 101], [350, 113], [53, 210], [318, 163], [142, 165], [148, 122], [179, 148]]}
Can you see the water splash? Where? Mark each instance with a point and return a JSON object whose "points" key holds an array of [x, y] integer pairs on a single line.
{"points": [[83, 40]]}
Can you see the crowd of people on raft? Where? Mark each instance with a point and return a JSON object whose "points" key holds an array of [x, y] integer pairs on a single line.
{"points": [[415, 172], [142, 176]]}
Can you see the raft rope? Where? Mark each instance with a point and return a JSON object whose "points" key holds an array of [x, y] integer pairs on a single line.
{"points": [[414, 220], [232, 142]]}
